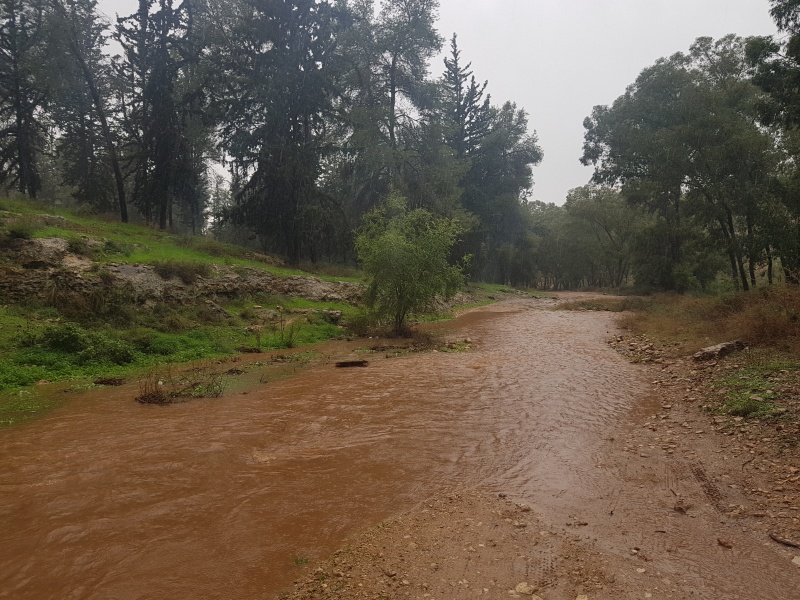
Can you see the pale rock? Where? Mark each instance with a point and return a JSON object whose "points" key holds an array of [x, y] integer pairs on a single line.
{"points": [[524, 588]]}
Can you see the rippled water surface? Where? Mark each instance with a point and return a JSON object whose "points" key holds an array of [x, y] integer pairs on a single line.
{"points": [[105, 498]]}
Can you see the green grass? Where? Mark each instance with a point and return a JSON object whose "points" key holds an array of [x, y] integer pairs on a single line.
{"points": [[751, 389], [79, 340], [137, 244], [40, 344]]}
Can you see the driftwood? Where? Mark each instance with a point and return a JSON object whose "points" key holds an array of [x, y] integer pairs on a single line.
{"points": [[351, 363]]}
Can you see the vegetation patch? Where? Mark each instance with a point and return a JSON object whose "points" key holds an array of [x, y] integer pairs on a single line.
{"points": [[763, 387], [767, 317], [41, 344], [610, 304], [165, 387], [405, 253], [185, 270]]}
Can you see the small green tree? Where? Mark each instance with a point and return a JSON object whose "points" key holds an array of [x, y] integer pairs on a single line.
{"points": [[405, 253]]}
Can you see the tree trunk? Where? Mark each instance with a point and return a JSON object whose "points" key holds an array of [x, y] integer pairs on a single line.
{"points": [[769, 264], [101, 115], [393, 102], [738, 251], [750, 251], [731, 254]]}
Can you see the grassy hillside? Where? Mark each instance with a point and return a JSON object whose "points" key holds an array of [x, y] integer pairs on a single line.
{"points": [[55, 336], [82, 321]]}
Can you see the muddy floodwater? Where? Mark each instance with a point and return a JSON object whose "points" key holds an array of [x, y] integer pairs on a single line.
{"points": [[223, 498]]}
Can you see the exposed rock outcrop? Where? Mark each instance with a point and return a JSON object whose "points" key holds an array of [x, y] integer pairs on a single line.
{"points": [[41, 268]]}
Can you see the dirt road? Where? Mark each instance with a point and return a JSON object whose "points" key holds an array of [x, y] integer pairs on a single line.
{"points": [[607, 493]]}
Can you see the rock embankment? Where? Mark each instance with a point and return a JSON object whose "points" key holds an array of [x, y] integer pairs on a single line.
{"points": [[45, 268]]}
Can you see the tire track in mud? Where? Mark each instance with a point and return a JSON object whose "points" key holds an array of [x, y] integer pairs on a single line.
{"points": [[710, 490]]}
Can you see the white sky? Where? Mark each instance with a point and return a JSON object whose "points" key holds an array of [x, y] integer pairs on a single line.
{"points": [[559, 58]]}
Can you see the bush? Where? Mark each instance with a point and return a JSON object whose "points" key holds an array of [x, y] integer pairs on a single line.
{"points": [[405, 254], [185, 270], [65, 337], [80, 247], [102, 349], [22, 231]]}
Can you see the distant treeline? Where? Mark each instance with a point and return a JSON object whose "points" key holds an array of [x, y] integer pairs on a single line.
{"points": [[320, 110]]}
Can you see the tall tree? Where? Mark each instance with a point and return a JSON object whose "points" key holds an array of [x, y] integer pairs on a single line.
{"points": [[777, 72], [685, 139], [467, 112], [498, 183], [275, 108], [610, 226], [406, 39], [87, 143], [23, 93], [162, 104]]}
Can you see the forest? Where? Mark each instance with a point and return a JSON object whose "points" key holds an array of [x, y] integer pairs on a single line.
{"points": [[280, 124]]}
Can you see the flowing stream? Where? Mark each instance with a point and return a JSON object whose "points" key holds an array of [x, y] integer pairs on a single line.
{"points": [[222, 498]]}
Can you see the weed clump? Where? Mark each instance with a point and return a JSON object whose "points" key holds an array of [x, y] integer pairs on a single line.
{"points": [[164, 388], [186, 270]]}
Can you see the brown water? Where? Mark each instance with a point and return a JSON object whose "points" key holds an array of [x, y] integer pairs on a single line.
{"points": [[105, 498]]}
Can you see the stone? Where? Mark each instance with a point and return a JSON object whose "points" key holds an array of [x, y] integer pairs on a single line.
{"points": [[718, 351], [524, 588]]}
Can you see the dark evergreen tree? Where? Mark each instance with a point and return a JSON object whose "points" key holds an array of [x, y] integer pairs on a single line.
{"points": [[467, 112], [275, 107], [87, 146], [163, 108], [23, 93]]}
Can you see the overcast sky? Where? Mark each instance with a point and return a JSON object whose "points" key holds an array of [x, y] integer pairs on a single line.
{"points": [[559, 58]]}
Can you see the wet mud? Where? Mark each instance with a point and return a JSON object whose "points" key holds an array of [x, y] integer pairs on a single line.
{"points": [[229, 497]]}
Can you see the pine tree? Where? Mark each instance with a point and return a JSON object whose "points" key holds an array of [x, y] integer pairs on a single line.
{"points": [[87, 144], [23, 93], [466, 111]]}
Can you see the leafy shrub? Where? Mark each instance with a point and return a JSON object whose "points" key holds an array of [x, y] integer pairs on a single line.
{"points": [[405, 253], [80, 346], [13, 375], [65, 337], [164, 345], [361, 324], [80, 247], [185, 270], [102, 349], [140, 338]]}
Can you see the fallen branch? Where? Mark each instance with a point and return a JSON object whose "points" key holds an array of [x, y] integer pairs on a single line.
{"points": [[782, 540], [351, 363]]}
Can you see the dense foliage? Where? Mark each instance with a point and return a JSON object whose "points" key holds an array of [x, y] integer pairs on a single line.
{"points": [[318, 110], [405, 253], [315, 108]]}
